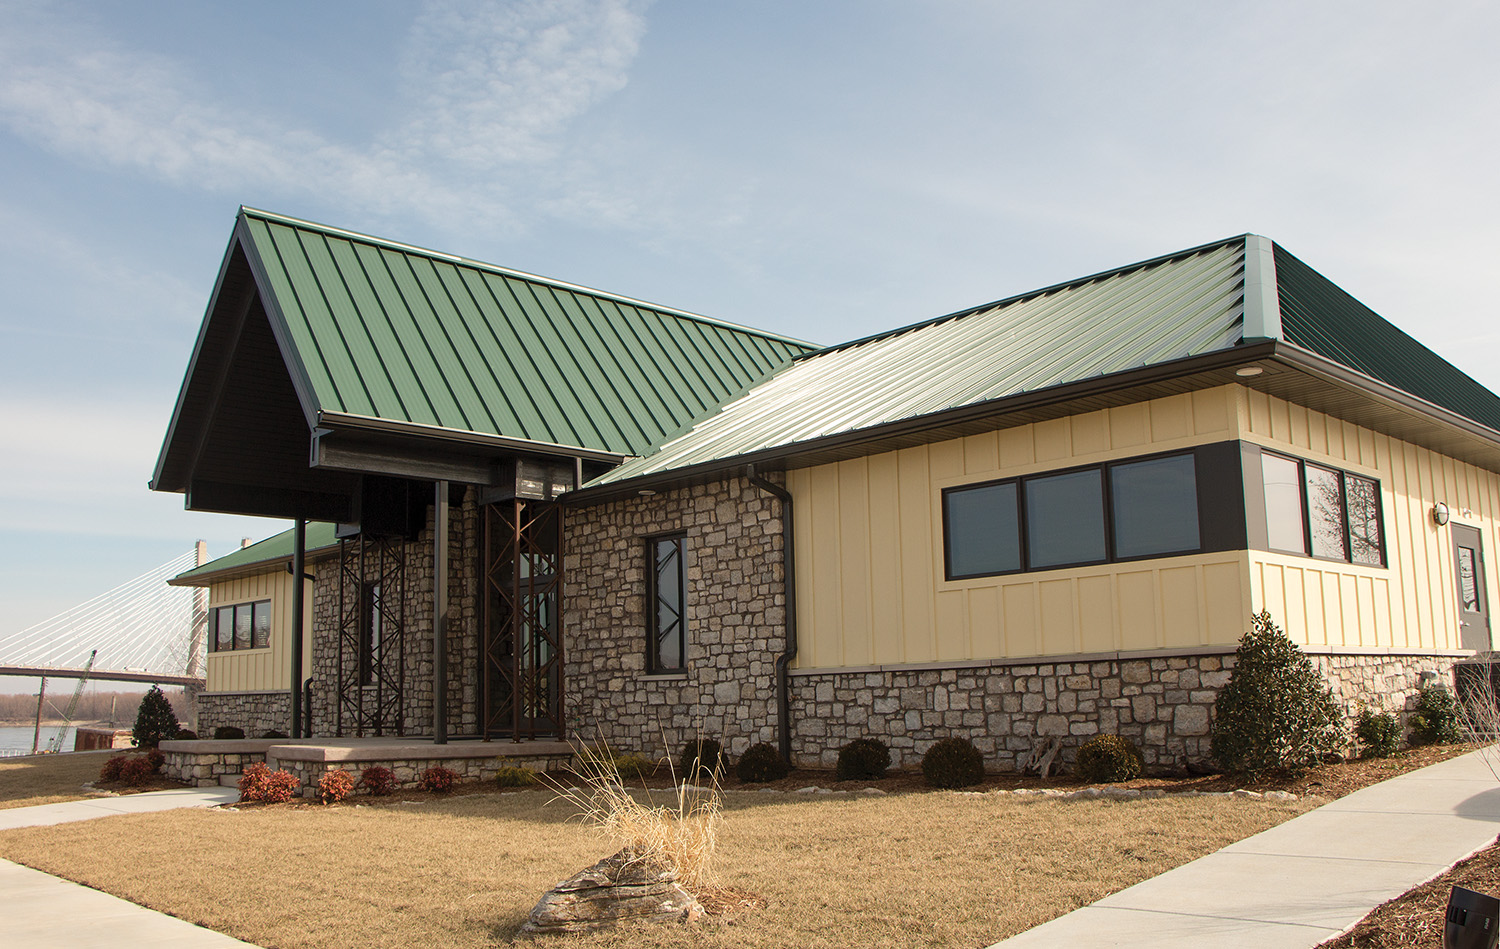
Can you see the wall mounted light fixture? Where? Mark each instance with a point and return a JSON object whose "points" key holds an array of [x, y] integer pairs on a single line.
{"points": [[1440, 514]]}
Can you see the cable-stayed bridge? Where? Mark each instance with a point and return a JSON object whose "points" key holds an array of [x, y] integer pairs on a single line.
{"points": [[141, 631]]}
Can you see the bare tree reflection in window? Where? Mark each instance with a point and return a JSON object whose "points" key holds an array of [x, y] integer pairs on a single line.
{"points": [[1364, 520], [1325, 512]]}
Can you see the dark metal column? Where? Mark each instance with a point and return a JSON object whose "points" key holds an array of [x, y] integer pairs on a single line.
{"points": [[440, 614], [299, 570]]}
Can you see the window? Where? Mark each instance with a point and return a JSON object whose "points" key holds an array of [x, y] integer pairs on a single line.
{"points": [[242, 626], [1141, 507], [371, 623], [1315, 510], [666, 621]]}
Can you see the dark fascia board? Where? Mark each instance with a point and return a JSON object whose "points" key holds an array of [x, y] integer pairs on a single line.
{"points": [[1194, 372], [916, 429], [260, 501], [422, 437], [301, 381], [156, 482], [271, 565]]}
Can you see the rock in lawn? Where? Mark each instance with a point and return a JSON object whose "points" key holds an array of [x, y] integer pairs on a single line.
{"points": [[617, 889]]}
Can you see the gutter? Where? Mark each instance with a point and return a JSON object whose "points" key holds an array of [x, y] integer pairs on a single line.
{"points": [[789, 604]]}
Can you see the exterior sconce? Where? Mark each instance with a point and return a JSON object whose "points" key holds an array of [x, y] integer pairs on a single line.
{"points": [[1440, 514]]}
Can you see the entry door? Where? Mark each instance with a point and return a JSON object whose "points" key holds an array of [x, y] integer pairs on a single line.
{"points": [[1473, 597], [523, 660]]}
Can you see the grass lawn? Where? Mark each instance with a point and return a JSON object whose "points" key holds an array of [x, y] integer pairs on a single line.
{"points": [[939, 869], [49, 779]]}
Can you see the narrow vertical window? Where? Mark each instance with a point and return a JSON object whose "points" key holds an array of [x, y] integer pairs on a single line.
{"points": [[1283, 491], [242, 626], [260, 625], [1325, 511], [667, 620], [1365, 545], [371, 621]]}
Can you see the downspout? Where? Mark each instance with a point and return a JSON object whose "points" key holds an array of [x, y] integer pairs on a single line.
{"points": [[789, 581]]}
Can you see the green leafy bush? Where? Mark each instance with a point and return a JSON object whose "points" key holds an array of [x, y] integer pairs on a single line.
{"points": [[378, 781], [702, 759], [953, 763], [438, 779], [1275, 711], [228, 733], [1379, 733], [761, 763], [1436, 718], [634, 766], [509, 777], [155, 721], [863, 758], [185, 734], [335, 785], [1105, 759], [273, 733]]}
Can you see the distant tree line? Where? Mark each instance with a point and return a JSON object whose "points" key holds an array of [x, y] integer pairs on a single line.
{"points": [[92, 706]]}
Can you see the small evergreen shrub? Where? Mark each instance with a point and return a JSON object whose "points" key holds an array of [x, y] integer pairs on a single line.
{"points": [[761, 763], [273, 733], [185, 734], [111, 769], [378, 781], [1436, 718], [1379, 733], [863, 758], [155, 721], [438, 779], [516, 777], [1275, 711], [260, 783], [634, 766], [1105, 759], [702, 759], [228, 733], [335, 785], [953, 763]]}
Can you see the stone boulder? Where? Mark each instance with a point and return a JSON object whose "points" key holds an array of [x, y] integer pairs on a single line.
{"points": [[618, 889]]}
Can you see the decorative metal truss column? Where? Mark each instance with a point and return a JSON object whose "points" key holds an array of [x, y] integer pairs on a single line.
{"points": [[521, 628], [371, 636]]}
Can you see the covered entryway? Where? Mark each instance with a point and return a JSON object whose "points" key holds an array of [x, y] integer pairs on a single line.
{"points": [[522, 631]]}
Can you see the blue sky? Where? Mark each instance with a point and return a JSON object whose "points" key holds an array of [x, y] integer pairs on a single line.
{"points": [[825, 170]]}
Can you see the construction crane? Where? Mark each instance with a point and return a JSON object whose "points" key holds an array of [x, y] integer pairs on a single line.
{"points": [[55, 745]]}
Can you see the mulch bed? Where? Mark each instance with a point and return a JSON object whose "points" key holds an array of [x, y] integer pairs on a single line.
{"points": [[1416, 917]]}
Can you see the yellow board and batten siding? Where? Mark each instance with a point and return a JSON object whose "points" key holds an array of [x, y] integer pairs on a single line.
{"points": [[260, 670], [1412, 603], [870, 582]]}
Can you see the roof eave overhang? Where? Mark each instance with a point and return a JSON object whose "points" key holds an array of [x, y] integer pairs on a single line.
{"points": [[240, 571], [1290, 372]]}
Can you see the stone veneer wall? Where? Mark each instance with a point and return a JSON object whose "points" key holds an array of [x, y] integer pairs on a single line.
{"points": [[463, 634], [255, 712], [408, 771], [735, 613], [1163, 704], [209, 769]]}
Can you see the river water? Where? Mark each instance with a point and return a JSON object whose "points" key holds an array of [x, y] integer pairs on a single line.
{"points": [[16, 739]]}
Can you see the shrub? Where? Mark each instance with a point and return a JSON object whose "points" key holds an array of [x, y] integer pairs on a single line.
{"points": [[111, 769], [953, 763], [1435, 720], [185, 734], [260, 783], [702, 758], [863, 758], [154, 720], [1379, 733], [1105, 759], [516, 777], [761, 763], [156, 759], [335, 785], [273, 733], [634, 766], [1275, 711], [136, 771], [378, 781], [228, 733], [438, 779]]}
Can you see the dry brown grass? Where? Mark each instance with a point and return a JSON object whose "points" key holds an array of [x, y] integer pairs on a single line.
{"points": [[49, 779], [940, 869]]}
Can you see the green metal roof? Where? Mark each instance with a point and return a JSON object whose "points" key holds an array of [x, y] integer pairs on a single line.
{"points": [[1320, 316], [388, 331], [277, 547]]}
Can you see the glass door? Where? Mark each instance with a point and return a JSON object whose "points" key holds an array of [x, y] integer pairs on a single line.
{"points": [[1473, 592]]}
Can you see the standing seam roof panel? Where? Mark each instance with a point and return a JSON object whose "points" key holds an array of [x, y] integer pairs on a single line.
{"points": [[284, 265], [605, 382], [507, 413], [587, 410], [453, 346], [619, 337], [384, 394], [599, 339]]}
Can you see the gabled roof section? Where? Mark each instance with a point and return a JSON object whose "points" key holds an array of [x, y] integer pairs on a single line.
{"points": [[387, 331], [259, 557], [1150, 313]]}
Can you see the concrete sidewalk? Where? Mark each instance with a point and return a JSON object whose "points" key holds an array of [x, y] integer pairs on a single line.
{"points": [[1302, 882], [43, 911]]}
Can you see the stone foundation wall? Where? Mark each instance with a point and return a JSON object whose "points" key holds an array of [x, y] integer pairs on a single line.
{"points": [[1164, 705], [255, 712], [208, 769], [408, 771], [735, 614]]}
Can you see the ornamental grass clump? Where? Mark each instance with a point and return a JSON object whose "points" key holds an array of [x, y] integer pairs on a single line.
{"points": [[335, 785], [863, 759], [1275, 711], [1106, 759], [761, 763], [953, 763], [1436, 718], [510, 777]]}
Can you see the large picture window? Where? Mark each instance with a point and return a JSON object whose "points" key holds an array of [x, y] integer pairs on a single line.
{"points": [[1141, 507], [666, 605], [242, 626], [1318, 511]]}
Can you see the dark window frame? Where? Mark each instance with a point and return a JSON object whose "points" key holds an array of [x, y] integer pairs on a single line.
{"points": [[654, 665], [1106, 488], [1306, 511], [371, 609], [249, 606]]}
